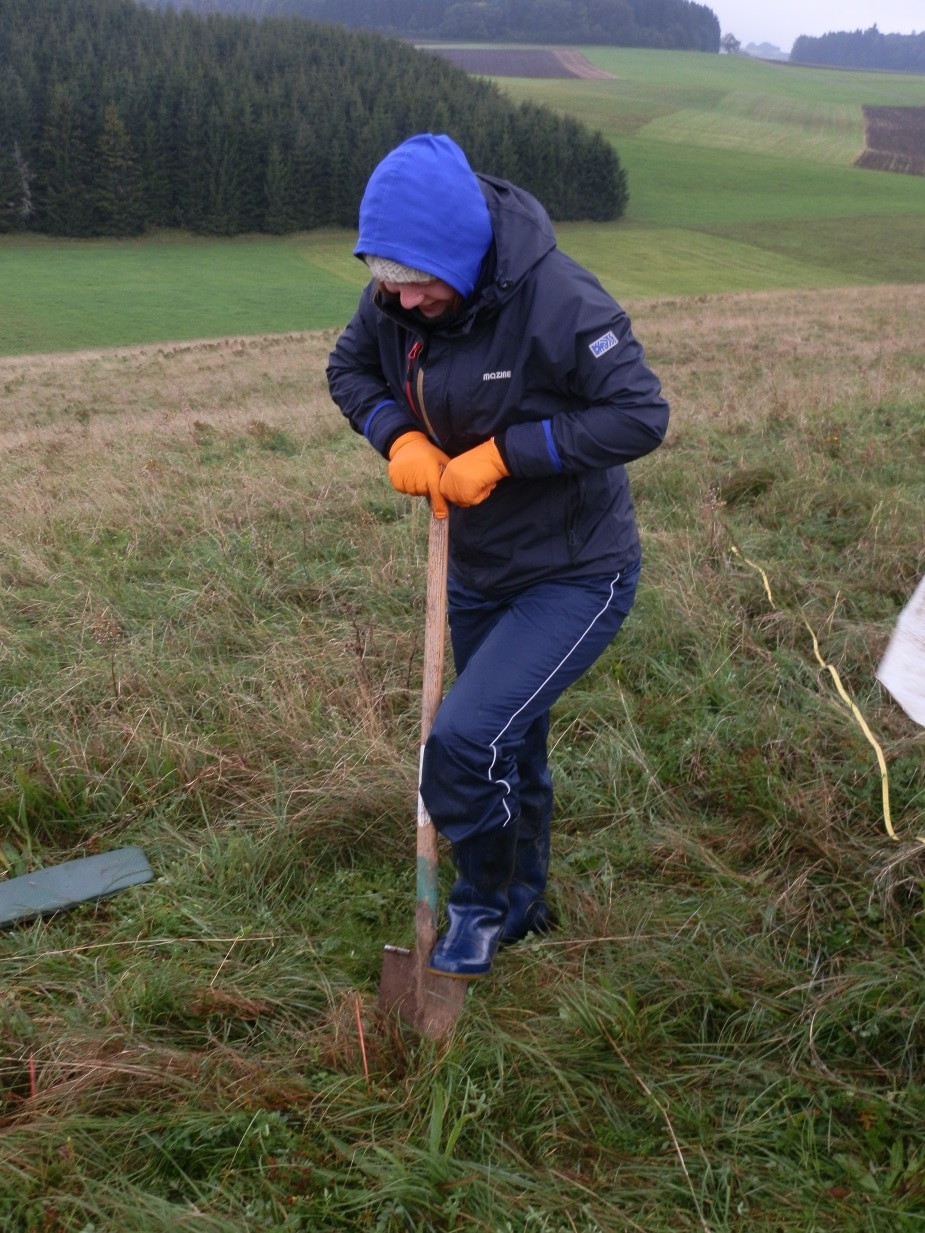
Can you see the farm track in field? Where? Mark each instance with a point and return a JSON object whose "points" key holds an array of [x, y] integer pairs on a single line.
{"points": [[523, 62]]}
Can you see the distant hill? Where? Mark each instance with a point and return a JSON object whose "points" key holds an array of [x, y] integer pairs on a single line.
{"points": [[765, 51], [666, 24]]}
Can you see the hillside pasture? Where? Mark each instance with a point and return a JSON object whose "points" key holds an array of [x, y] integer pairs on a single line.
{"points": [[211, 608], [740, 174]]}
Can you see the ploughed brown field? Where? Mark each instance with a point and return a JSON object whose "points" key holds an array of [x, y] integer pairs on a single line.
{"points": [[522, 62], [894, 140]]}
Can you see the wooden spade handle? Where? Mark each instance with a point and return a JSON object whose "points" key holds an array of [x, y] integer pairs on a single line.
{"points": [[432, 693]]}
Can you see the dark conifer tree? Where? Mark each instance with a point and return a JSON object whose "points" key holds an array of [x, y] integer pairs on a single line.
{"points": [[16, 205], [117, 204], [280, 215], [16, 172], [63, 200]]}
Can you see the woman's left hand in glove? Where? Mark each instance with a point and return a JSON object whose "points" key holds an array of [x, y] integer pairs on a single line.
{"points": [[470, 477]]}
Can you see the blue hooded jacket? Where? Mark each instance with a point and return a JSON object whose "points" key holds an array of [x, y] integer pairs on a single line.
{"points": [[423, 208], [538, 356]]}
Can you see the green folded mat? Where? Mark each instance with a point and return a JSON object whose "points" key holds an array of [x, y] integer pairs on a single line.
{"points": [[64, 886]]}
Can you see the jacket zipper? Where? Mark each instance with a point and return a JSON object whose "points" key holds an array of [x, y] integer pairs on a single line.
{"points": [[417, 404]]}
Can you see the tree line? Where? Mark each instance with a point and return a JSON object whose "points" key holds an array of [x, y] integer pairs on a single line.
{"points": [[863, 49], [667, 24], [116, 118]]}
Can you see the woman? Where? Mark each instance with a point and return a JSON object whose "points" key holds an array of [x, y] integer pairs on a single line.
{"points": [[503, 383]]}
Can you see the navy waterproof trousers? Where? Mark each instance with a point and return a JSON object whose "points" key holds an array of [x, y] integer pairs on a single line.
{"points": [[484, 762]]}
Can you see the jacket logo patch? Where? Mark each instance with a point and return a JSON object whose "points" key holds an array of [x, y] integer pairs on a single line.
{"points": [[504, 375], [602, 345]]}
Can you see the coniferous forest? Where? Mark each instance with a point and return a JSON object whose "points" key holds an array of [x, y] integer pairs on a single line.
{"points": [[116, 118], [667, 24], [863, 49]]}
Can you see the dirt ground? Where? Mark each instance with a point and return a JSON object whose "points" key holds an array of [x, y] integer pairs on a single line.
{"points": [[894, 138]]}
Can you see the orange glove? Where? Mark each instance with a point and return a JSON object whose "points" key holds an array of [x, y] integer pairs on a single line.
{"points": [[415, 467], [470, 477]]}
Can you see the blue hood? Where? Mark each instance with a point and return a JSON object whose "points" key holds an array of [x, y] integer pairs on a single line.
{"points": [[423, 208]]}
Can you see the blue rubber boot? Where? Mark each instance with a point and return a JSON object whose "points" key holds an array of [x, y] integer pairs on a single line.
{"points": [[528, 911], [477, 904]]}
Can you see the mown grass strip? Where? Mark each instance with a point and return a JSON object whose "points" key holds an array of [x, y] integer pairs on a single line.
{"points": [[67, 295]]}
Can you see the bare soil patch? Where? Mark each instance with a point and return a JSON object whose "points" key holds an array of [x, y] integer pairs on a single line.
{"points": [[894, 139], [522, 62]]}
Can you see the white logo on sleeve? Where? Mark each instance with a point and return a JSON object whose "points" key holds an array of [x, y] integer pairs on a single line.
{"points": [[602, 345]]}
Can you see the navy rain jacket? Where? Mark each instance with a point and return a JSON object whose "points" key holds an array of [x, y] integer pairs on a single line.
{"points": [[539, 357]]}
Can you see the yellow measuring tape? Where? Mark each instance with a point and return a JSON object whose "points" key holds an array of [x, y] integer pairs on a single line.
{"points": [[861, 721]]}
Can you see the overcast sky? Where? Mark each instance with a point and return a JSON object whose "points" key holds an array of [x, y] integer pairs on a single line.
{"points": [[783, 21]]}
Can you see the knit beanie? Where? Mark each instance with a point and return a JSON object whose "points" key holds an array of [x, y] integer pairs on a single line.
{"points": [[423, 209], [392, 272]]}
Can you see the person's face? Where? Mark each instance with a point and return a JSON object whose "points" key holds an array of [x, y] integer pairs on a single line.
{"points": [[430, 299]]}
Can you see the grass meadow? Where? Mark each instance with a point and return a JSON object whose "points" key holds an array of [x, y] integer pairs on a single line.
{"points": [[211, 605]]}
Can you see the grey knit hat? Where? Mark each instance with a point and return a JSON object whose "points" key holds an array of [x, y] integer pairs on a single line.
{"points": [[391, 272]]}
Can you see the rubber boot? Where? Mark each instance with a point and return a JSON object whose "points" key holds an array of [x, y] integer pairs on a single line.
{"points": [[528, 911], [477, 904]]}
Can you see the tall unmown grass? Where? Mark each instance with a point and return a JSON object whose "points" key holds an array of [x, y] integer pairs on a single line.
{"points": [[211, 612]]}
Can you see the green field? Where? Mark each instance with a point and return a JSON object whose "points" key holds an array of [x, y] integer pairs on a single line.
{"points": [[740, 179], [77, 294]]}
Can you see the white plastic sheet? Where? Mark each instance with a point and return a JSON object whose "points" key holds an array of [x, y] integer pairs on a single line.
{"points": [[902, 669]]}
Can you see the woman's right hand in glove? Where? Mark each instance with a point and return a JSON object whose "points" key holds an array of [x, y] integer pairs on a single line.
{"points": [[415, 468]]}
